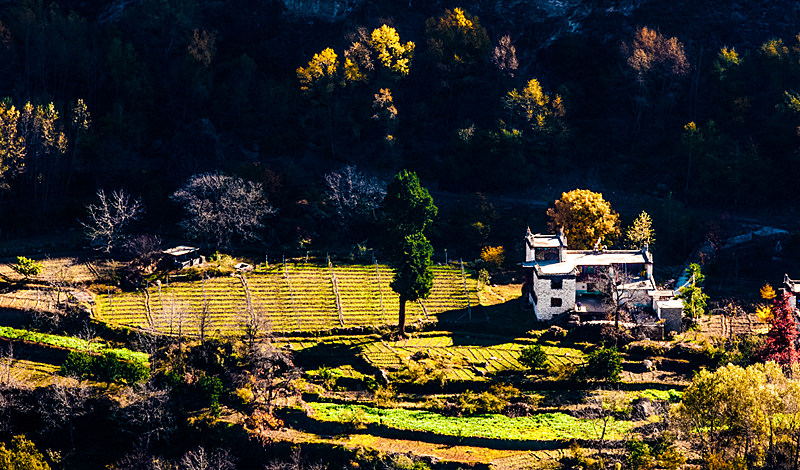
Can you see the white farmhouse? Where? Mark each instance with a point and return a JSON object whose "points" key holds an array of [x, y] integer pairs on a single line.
{"points": [[559, 280]]}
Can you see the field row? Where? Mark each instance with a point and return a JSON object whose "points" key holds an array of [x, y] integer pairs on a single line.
{"points": [[286, 298], [538, 427]]}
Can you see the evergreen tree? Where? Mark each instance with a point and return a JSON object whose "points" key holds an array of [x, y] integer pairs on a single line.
{"points": [[408, 211]]}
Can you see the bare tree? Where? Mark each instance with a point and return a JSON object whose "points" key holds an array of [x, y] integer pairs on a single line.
{"points": [[271, 375], [148, 415], [222, 208], [141, 460], [350, 194], [604, 409], [204, 317], [297, 462], [201, 459], [60, 406], [504, 56], [620, 290], [109, 216]]}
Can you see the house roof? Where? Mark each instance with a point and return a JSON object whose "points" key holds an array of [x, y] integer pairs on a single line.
{"points": [[180, 250], [577, 258], [669, 304], [546, 241]]}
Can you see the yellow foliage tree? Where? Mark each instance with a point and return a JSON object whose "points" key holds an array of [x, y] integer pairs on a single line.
{"points": [[12, 143], [641, 231], [321, 72], [392, 54], [538, 109], [493, 256], [585, 217], [767, 292], [457, 42]]}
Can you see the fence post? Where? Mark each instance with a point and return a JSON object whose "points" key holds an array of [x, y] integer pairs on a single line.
{"points": [[466, 291], [380, 288], [291, 292]]}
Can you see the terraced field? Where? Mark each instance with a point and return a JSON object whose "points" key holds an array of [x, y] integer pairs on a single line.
{"points": [[38, 374], [69, 269], [463, 358], [291, 297], [470, 359]]}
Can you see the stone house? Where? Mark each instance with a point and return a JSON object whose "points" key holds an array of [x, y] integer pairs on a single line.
{"points": [[559, 280]]}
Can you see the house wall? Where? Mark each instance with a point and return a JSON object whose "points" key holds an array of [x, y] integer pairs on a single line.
{"points": [[545, 293], [672, 318]]}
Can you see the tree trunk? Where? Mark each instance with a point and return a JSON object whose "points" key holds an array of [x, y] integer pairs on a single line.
{"points": [[401, 327]]}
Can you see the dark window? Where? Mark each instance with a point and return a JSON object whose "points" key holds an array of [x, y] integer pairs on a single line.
{"points": [[590, 287], [555, 302], [556, 283]]}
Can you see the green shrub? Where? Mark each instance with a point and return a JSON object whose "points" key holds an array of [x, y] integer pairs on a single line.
{"points": [[328, 376], [27, 267], [604, 364], [639, 456], [107, 367], [211, 389], [533, 357], [78, 364]]}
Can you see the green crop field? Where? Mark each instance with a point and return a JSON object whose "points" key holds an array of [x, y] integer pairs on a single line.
{"points": [[69, 342], [295, 297], [542, 426]]}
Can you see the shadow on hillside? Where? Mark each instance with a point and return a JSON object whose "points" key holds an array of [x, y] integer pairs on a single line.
{"points": [[333, 355], [34, 352], [489, 324], [14, 318], [299, 420]]}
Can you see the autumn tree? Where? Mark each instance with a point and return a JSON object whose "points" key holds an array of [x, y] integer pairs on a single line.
{"points": [[391, 53], [457, 42], [386, 111], [535, 109], [656, 60], [586, 218], [408, 212], [780, 345], [110, 217], [22, 454], [741, 415], [504, 56], [380, 52], [221, 208], [640, 232]]}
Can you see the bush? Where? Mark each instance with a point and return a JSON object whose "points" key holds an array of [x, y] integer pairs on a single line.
{"points": [[604, 364], [27, 267], [328, 376], [493, 256], [533, 357], [385, 395], [472, 403], [211, 389], [107, 367], [639, 456], [78, 364], [483, 277]]}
